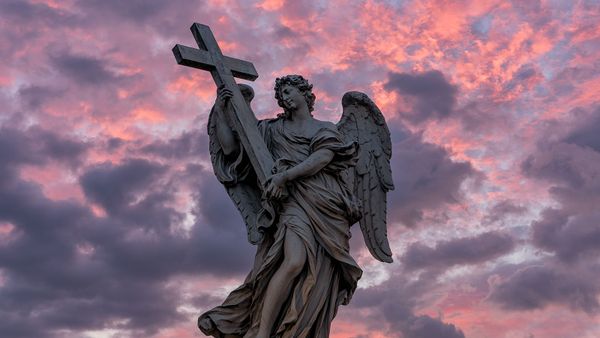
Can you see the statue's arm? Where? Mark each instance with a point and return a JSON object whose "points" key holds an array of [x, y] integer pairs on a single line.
{"points": [[310, 166], [226, 136]]}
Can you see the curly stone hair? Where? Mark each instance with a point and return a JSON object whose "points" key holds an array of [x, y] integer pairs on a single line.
{"points": [[299, 82]]}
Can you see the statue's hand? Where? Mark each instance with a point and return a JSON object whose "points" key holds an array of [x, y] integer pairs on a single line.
{"points": [[223, 96], [275, 186]]}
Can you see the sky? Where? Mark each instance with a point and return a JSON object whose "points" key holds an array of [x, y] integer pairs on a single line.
{"points": [[112, 223]]}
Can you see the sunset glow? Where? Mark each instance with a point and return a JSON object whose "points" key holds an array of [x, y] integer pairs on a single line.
{"points": [[112, 223]]}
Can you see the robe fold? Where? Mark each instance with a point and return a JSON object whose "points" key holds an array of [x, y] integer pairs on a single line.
{"points": [[319, 209]]}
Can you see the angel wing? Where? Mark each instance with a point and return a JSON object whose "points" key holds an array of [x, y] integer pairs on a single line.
{"points": [[237, 177], [371, 179]]}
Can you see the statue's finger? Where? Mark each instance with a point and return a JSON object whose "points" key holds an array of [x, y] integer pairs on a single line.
{"points": [[270, 190]]}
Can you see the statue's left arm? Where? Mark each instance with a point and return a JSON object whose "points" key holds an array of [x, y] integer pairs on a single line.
{"points": [[314, 163]]}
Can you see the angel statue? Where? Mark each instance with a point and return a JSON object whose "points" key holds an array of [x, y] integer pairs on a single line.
{"points": [[325, 178]]}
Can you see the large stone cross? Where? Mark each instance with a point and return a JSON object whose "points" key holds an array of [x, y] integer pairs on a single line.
{"points": [[223, 69]]}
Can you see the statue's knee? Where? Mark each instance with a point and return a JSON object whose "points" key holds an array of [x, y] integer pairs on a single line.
{"points": [[293, 266]]}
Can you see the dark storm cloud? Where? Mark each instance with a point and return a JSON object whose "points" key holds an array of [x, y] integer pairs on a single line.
{"points": [[571, 237], [25, 11], [65, 268], [115, 186], [569, 162], [588, 134], [538, 286], [430, 96], [425, 178], [190, 144], [570, 166], [38, 146], [395, 300], [572, 172], [434, 97], [466, 250], [136, 10], [427, 327], [571, 231], [84, 70], [34, 96], [123, 278], [215, 206], [52, 284], [336, 83], [222, 253]]}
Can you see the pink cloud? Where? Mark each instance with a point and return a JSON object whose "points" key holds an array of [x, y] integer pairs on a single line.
{"points": [[88, 88]]}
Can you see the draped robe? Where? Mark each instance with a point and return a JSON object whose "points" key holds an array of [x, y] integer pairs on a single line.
{"points": [[320, 209]]}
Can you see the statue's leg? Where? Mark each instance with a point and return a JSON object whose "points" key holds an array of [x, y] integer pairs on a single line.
{"points": [[279, 286]]}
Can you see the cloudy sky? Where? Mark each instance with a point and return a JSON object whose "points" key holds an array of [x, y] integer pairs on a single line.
{"points": [[112, 223]]}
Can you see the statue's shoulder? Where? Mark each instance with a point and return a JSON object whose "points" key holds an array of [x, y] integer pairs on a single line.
{"points": [[325, 125], [270, 122]]}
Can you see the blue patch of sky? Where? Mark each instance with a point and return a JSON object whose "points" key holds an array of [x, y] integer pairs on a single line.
{"points": [[482, 26], [553, 61], [397, 4]]}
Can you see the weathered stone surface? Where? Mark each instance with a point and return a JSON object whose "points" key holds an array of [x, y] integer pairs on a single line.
{"points": [[299, 183]]}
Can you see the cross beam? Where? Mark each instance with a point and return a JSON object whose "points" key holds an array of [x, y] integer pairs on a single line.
{"points": [[202, 59], [223, 69]]}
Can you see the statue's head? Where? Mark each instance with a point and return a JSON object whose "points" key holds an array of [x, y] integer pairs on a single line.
{"points": [[299, 82]]}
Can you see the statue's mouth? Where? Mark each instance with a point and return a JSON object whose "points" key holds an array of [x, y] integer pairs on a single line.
{"points": [[289, 103]]}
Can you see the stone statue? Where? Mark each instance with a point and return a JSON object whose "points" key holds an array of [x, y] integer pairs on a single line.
{"points": [[324, 177]]}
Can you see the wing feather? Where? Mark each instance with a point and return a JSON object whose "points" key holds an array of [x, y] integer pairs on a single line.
{"points": [[364, 123], [238, 180]]}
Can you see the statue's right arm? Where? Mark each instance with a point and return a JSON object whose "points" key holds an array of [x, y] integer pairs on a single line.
{"points": [[226, 136]]}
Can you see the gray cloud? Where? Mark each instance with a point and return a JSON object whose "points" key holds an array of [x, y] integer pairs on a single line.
{"points": [[425, 178], [570, 165], [65, 268], [571, 231], [83, 70], [35, 96], [395, 300], [24, 11], [192, 143], [466, 250], [502, 209], [571, 237], [538, 286], [587, 135], [38, 146], [114, 187], [428, 327], [434, 97], [136, 10]]}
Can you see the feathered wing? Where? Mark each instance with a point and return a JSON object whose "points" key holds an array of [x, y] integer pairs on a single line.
{"points": [[364, 123], [239, 181]]}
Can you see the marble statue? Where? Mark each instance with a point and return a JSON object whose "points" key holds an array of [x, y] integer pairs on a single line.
{"points": [[299, 184]]}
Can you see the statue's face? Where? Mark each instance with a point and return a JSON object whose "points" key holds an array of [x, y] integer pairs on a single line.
{"points": [[292, 98]]}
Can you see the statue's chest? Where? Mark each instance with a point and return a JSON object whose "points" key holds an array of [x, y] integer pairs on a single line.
{"points": [[290, 146]]}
